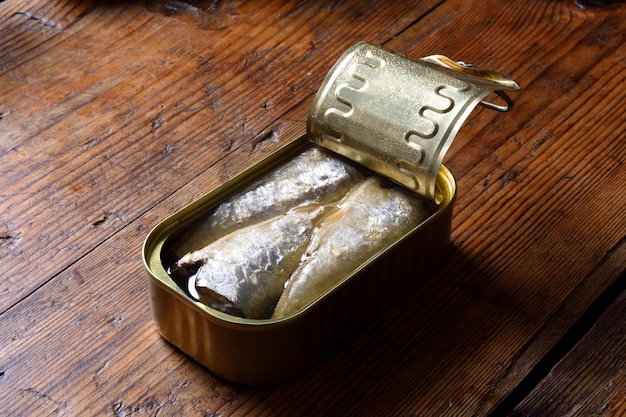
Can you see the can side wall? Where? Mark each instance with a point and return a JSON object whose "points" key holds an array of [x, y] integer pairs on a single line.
{"points": [[250, 356]]}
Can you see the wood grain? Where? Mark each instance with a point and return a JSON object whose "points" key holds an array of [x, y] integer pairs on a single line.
{"points": [[113, 107], [591, 379], [113, 116]]}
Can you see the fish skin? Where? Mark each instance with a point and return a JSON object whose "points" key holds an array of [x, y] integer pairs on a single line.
{"points": [[314, 176], [244, 273], [372, 216]]}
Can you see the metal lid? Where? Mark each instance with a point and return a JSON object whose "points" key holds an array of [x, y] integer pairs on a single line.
{"points": [[396, 115]]}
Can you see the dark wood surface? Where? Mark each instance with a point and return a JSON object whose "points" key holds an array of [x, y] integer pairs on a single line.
{"points": [[115, 114]]}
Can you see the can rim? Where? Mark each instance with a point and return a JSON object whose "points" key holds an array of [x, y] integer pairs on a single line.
{"points": [[154, 242]]}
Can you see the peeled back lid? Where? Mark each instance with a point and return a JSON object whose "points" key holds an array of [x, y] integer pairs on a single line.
{"points": [[396, 115]]}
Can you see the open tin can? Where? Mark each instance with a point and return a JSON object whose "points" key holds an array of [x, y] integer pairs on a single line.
{"points": [[384, 113]]}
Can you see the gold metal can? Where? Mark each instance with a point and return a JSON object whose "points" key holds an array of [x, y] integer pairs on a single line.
{"points": [[269, 351]]}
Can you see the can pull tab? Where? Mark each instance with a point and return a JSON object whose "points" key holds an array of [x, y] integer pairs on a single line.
{"points": [[396, 115], [491, 75]]}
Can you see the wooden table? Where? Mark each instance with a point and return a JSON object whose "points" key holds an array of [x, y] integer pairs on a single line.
{"points": [[115, 114]]}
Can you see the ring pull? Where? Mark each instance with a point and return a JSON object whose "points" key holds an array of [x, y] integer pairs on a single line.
{"points": [[499, 107], [489, 75]]}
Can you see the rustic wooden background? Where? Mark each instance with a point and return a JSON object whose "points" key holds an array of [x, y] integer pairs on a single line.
{"points": [[115, 114]]}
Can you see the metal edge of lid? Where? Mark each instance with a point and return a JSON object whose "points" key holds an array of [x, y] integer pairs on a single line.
{"points": [[397, 115]]}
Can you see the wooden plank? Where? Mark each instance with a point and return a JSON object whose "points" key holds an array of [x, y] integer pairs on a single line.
{"points": [[109, 108], [538, 236], [591, 379]]}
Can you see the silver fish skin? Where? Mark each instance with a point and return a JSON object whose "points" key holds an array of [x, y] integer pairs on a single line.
{"points": [[369, 218], [244, 273], [314, 176]]}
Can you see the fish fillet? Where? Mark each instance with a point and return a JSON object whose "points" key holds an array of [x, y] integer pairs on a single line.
{"points": [[372, 216], [244, 273], [312, 176]]}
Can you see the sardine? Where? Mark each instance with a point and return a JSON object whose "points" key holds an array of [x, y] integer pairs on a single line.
{"points": [[373, 215], [244, 273], [314, 176]]}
